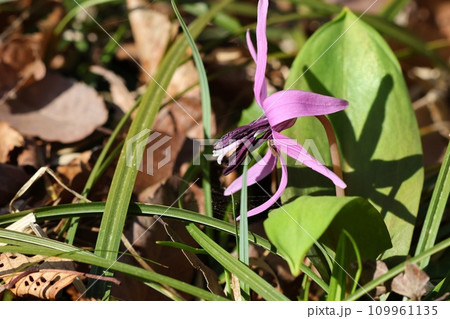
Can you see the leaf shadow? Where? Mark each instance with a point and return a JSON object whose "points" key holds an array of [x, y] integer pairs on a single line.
{"points": [[370, 174]]}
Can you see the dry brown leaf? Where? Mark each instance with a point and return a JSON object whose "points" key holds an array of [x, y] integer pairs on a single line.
{"points": [[151, 32], [20, 62], [412, 283], [361, 5], [74, 173], [119, 92], [56, 109], [9, 139], [372, 269], [44, 282], [172, 145], [29, 154]]}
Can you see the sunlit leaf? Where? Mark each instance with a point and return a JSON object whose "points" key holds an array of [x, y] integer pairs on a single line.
{"points": [[295, 227], [377, 133]]}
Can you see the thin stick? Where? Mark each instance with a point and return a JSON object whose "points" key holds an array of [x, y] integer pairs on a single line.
{"points": [[334, 151]]}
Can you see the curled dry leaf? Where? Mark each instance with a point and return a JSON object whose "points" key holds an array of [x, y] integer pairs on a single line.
{"points": [[43, 281], [412, 283], [9, 139], [56, 109]]}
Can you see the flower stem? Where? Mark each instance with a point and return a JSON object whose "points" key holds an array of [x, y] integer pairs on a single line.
{"points": [[334, 150]]}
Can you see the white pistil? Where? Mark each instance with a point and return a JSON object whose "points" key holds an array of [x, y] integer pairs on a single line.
{"points": [[221, 153]]}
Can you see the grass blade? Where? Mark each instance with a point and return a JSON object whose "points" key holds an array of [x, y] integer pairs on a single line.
{"points": [[440, 289], [181, 246], [243, 230], [97, 208], [206, 111], [435, 210], [24, 243], [72, 13], [233, 265], [119, 195], [338, 282], [398, 269], [100, 166]]}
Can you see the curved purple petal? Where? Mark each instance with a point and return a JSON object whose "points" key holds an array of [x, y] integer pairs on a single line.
{"points": [[254, 174], [250, 46], [276, 196], [290, 104], [296, 151], [261, 52], [251, 49]]}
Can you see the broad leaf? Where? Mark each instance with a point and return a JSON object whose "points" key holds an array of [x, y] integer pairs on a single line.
{"points": [[378, 134], [295, 227]]}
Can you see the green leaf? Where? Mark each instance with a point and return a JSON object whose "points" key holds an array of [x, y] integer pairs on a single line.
{"points": [[405, 36], [377, 134], [250, 114], [295, 227], [435, 210], [233, 265]]}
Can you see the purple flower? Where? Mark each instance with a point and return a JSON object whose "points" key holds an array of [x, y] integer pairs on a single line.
{"points": [[281, 110]]}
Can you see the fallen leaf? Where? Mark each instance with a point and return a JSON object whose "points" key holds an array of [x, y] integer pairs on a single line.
{"points": [[119, 92], [151, 32], [361, 5], [29, 155], [372, 269], [441, 10], [412, 283], [167, 151], [45, 282], [9, 139], [20, 63], [55, 109]]}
